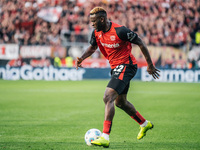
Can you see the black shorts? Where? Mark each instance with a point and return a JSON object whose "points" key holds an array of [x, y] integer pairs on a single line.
{"points": [[121, 76]]}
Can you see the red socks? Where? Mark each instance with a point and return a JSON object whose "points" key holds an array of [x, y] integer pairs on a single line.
{"points": [[138, 118], [107, 126]]}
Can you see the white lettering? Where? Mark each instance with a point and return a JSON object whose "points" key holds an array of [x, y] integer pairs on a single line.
{"points": [[80, 74], [38, 74], [73, 75], [35, 51], [3, 73], [173, 75], [26, 72], [197, 76], [46, 74], [189, 76], [51, 73], [115, 45], [63, 74], [14, 72], [29, 73]]}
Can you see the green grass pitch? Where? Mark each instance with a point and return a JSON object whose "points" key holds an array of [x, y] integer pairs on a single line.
{"points": [[54, 115]]}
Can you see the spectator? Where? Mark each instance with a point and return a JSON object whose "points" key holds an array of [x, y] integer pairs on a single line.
{"points": [[159, 22], [197, 37]]}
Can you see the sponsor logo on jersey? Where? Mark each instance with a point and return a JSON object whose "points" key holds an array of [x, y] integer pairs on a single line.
{"points": [[115, 45]]}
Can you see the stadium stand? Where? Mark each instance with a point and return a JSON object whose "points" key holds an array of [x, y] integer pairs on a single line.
{"points": [[159, 22]]}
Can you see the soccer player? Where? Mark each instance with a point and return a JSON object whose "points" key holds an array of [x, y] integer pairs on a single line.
{"points": [[114, 42]]}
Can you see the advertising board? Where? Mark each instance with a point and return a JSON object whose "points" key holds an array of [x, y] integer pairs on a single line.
{"points": [[51, 73]]}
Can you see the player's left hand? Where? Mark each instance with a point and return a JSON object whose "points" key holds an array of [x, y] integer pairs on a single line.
{"points": [[152, 70]]}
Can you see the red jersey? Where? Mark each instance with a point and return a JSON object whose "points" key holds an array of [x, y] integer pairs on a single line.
{"points": [[115, 44]]}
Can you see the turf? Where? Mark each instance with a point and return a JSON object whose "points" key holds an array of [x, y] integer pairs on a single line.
{"points": [[55, 115]]}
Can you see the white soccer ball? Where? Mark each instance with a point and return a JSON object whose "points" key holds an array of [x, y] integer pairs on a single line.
{"points": [[92, 135]]}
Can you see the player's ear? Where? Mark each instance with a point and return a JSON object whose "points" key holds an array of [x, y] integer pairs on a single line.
{"points": [[102, 19]]}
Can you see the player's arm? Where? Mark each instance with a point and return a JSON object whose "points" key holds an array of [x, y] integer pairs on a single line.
{"points": [[150, 68], [128, 35], [89, 51]]}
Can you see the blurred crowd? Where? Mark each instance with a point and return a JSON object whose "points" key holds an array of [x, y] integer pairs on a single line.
{"points": [[158, 22]]}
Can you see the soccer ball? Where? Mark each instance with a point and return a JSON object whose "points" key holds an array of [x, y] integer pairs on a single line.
{"points": [[91, 135]]}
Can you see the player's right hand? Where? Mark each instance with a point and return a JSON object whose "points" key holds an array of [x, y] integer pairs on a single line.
{"points": [[78, 62]]}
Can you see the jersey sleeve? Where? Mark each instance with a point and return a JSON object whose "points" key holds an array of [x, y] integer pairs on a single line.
{"points": [[93, 41], [126, 34]]}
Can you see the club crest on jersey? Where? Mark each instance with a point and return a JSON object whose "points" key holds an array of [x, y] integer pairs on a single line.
{"points": [[112, 38]]}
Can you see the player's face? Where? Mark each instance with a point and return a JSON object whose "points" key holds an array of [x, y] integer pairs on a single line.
{"points": [[96, 22]]}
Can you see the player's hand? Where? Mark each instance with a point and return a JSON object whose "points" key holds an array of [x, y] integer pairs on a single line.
{"points": [[78, 62], [153, 71]]}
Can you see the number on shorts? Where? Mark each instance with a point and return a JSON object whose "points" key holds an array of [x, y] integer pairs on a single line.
{"points": [[119, 68]]}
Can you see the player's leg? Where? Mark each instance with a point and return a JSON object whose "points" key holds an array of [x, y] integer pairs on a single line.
{"points": [[121, 76], [113, 90], [122, 103], [109, 98]]}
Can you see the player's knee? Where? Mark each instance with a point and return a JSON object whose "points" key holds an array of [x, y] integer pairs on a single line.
{"points": [[109, 96], [106, 98]]}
